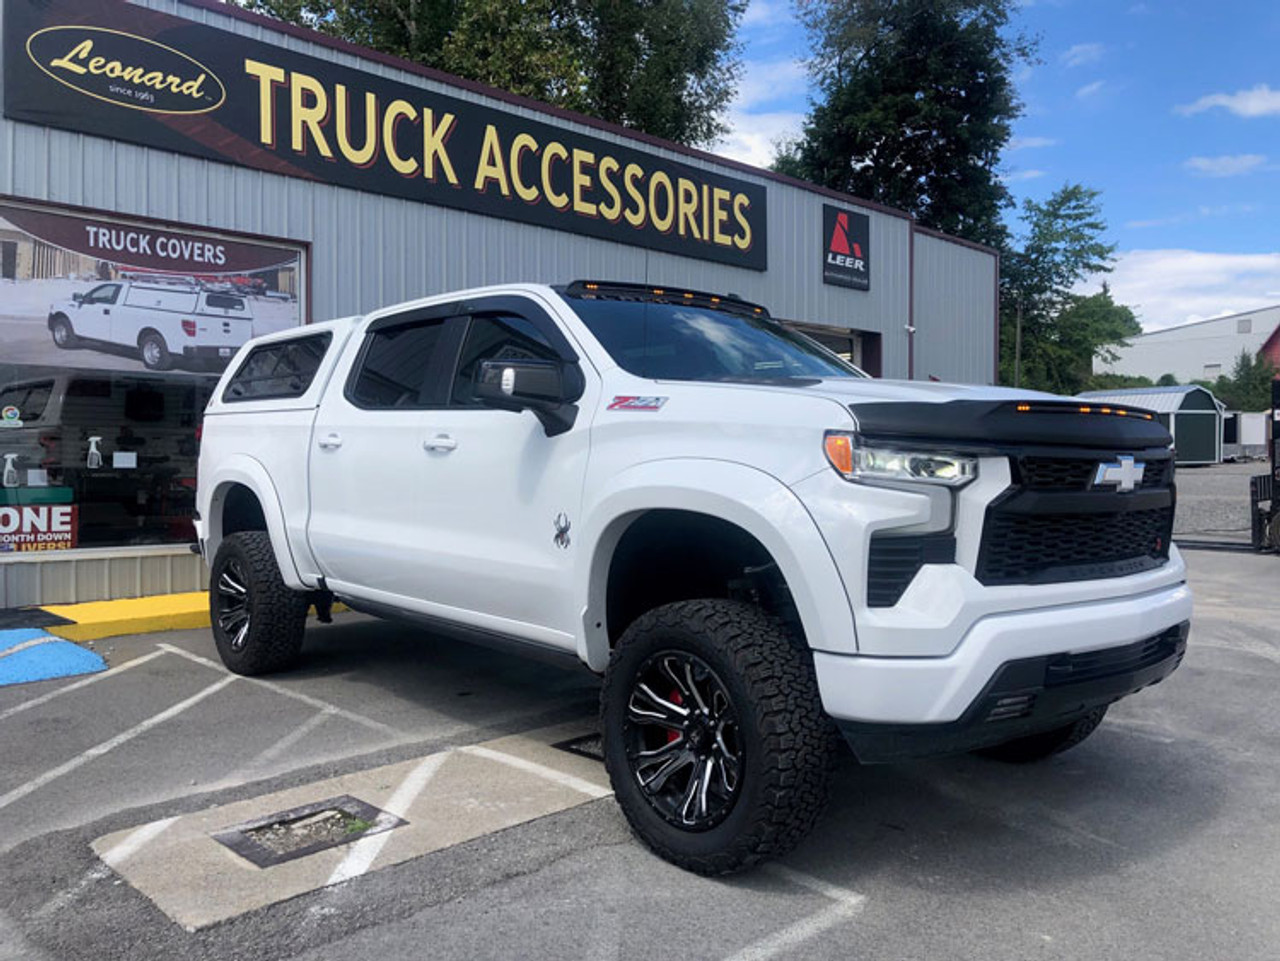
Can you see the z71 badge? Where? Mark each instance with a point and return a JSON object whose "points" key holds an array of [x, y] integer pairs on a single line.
{"points": [[637, 403]]}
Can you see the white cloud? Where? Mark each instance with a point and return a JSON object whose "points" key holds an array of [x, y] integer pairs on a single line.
{"points": [[1082, 54], [1169, 287], [1203, 212], [769, 82], [1227, 165], [1018, 176], [762, 13], [753, 137], [1089, 89], [1260, 101], [1031, 143]]}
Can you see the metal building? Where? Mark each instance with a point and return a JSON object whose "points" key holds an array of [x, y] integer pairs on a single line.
{"points": [[1203, 350], [179, 155], [1192, 414]]}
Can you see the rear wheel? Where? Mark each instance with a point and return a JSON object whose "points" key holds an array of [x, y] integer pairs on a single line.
{"points": [[715, 739], [64, 334], [1037, 747], [258, 622], [154, 352]]}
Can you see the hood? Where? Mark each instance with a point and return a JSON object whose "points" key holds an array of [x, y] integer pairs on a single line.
{"points": [[869, 391]]}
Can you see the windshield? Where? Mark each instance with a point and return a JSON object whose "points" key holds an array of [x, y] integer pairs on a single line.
{"points": [[678, 342]]}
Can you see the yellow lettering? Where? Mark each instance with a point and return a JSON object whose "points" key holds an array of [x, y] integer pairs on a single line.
{"points": [[659, 179], [434, 137], [554, 150], [79, 52], [687, 205], [720, 216], [519, 145], [490, 166], [364, 156], [268, 77], [397, 110], [740, 207], [634, 217], [582, 159], [310, 116], [613, 209]]}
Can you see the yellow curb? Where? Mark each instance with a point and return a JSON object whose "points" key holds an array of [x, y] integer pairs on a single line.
{"points": [[134, 615]]}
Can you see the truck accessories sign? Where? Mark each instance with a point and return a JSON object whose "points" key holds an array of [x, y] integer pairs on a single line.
{"points": [[846, 248], [125, 72]]}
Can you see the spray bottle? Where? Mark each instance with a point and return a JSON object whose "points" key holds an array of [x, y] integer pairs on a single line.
{"points": [[10, 472], [94, 460]]}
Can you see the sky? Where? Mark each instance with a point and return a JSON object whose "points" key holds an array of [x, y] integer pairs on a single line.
{"points": [[1170, 107]]}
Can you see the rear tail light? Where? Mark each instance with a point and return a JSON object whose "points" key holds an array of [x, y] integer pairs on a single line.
{"points": [[189, 328]]}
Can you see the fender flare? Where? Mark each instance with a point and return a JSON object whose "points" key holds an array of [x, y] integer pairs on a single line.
{"points": [[246, 471], [751, 499]]}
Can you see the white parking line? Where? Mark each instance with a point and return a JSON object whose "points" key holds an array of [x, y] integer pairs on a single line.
{"points": [[847, 905], [93, 679], [296, 695], [533, 767], [35, 784], [362, 854]]}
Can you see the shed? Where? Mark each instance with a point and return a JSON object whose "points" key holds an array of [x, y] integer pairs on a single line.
{"points": [[1191, 413]]}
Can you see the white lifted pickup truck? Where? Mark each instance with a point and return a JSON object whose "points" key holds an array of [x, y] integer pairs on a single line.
{"points": [[755, 544]]}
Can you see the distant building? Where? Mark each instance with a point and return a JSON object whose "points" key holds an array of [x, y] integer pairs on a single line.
{"points": [[1199, 351]]}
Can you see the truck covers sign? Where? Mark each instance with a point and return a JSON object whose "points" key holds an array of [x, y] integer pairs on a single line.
{"points": [[128, 73], [846, 248]]}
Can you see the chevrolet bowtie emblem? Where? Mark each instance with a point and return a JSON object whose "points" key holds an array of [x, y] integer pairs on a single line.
{"points": [[1125, 473]]}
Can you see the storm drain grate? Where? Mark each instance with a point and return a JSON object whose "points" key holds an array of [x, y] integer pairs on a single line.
{"points": [[298, 832], [585, 745]]}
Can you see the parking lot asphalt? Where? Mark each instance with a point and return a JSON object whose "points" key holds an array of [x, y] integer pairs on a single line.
{"points": [[1158, 838]]}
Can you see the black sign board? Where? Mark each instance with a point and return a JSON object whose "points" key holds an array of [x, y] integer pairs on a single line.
{"points": [[846, 248], [124, 72]]}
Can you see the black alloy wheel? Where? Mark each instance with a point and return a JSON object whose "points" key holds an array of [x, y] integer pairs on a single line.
{"points": [[682, 740], [258, 621], [232, 599]]}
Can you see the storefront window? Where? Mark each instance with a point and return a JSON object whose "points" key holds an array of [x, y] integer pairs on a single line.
{"points": [[107, 363]]}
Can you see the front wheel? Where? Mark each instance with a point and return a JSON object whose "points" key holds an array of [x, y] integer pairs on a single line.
{"points": [[257, 621], [154, 352], [1037, 747], [64, 335], [715, 739]]}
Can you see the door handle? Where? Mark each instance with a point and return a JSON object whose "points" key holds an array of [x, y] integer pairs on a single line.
{"points": [[106, 310], [330, 442], [441, 442]]}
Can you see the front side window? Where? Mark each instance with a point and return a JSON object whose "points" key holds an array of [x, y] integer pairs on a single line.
{"points": [[678, 342], [402, 366], [103, 294], [496, 336], [282, 369]]}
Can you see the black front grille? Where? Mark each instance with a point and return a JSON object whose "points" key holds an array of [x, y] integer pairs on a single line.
{"points": [[1042, 548], [1047, 473], [894, 561]]}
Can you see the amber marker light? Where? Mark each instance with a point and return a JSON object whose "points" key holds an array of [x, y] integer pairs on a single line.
{"points": [[839, 448], [1023, 408]]}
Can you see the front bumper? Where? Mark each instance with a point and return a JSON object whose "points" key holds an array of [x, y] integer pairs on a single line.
{"points": [[933, 691]]}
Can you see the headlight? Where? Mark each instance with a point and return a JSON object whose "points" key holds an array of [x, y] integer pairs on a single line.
{"points": [[856, 460]]}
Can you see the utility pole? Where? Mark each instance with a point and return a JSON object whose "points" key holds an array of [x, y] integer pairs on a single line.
{"points": [[1017, 348]]}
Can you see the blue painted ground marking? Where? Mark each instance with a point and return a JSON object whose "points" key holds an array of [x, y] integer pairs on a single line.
{"points": [[43, 661]]}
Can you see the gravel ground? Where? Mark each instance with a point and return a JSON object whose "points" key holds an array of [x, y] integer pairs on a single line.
{"points": [[1213, 502]]}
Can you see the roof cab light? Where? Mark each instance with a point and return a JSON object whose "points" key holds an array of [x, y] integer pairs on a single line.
{"points": [[856, 460]]}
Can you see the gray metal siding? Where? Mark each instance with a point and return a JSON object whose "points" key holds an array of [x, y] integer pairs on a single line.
{"points": [[369, 250], [955, 312]]}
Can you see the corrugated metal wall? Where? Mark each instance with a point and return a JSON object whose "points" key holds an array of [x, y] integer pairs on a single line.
{"points": [[369, 250], [955, 311]]}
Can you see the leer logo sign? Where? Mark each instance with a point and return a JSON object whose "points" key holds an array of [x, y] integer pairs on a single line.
{"points": [[846, 248]]}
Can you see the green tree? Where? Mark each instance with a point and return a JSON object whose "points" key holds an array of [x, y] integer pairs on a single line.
{"points": [[1167, 380], [1061, 331], [1249, 386], [1116, 382], [915, 103], [665, 67]]}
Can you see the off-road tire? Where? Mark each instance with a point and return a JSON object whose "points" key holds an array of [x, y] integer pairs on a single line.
{"points": [[154, 352], [786, 740], [1037, 747], [277, 615], [68, 338]]}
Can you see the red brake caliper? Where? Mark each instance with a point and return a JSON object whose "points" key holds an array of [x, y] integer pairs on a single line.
{"points": [[675, 698]]}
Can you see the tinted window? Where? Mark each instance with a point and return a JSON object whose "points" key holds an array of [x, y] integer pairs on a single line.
{"points": [[496, 337], [225, 302], [677, 342], [30, 399], [283, 369], [402, 367], [103, 294]]}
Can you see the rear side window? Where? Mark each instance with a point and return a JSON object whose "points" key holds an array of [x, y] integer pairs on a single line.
{"points": [[402, 366], [285, 368], [225, 302]]}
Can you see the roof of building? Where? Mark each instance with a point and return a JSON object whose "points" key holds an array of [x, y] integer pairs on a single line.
{"points": [[1162, 400], [1207, 320]]}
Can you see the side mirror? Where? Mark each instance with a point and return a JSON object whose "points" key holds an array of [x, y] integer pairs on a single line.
{"points": [[78, 298], [549, 388]]}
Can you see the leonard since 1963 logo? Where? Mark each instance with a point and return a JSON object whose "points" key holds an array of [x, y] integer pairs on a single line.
{"points": [[126, 70]]}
